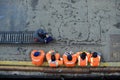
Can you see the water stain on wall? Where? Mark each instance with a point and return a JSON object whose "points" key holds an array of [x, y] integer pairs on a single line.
{"points": [[117, 25], [34, 4]]}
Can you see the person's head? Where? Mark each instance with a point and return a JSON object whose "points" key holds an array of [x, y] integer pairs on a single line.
{"points": [[69, 57], [94, 54], [68, 53], [36, 54], [83, 55], [53, 53], [53, 57], [41, 33]]}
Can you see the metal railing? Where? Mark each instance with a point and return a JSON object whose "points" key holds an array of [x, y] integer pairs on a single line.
{"points": [[17, 37]]}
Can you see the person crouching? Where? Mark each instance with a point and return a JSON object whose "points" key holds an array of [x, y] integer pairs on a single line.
{"points": [[82, 58], [69, 59], [95, 59], [54, 59]]}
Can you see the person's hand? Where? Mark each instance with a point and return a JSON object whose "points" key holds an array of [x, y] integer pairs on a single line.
{"points": [[45, 41], [61, 58], [47, 35], [35, 39], [71, 52]]}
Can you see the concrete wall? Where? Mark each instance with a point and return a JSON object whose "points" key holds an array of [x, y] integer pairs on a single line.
{"points": [[75, 24]]}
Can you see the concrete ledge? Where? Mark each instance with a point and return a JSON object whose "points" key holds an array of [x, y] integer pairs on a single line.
{"points": [[45, 64]]}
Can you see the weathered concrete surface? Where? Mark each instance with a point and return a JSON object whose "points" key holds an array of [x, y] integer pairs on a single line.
{"points": [[22, 52], [70, 22]]}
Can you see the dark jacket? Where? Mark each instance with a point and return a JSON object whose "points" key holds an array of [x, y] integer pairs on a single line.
{"points": [[40, 36]]}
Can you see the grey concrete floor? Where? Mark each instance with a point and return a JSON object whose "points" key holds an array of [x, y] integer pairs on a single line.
{"points": [[21, 52]]}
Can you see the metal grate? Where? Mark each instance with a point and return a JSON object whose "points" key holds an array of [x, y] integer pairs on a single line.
{"points": [[17, 37]]}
